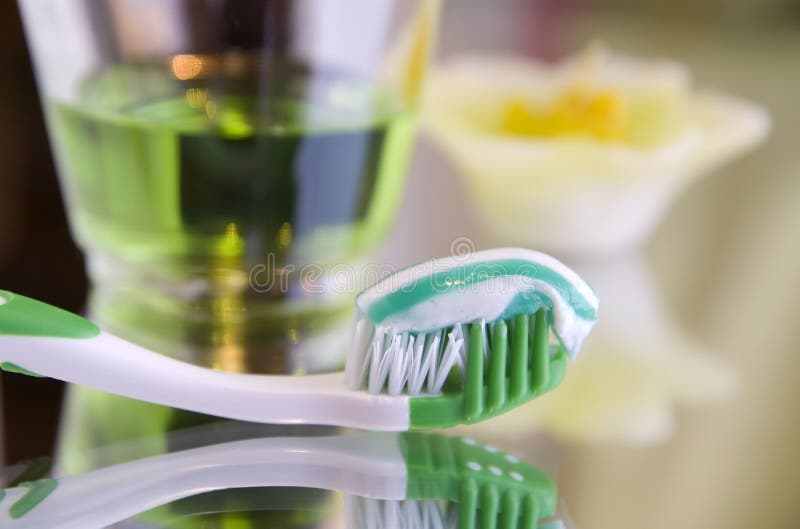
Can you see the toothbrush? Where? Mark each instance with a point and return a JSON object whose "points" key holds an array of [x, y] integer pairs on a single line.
{"points": [[389, 480], [441, 343]]}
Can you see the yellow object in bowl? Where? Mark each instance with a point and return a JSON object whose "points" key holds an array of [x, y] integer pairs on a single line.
{"points": [[585, 155]]}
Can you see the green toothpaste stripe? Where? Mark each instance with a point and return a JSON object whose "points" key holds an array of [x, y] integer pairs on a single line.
{"points": [[470, 274]]}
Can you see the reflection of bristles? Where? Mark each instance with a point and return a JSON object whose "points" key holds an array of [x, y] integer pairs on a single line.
{"points": [[364, 513]]}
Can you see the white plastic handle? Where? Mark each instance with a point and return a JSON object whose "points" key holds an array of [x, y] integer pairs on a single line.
{"points": [[114, 365]]}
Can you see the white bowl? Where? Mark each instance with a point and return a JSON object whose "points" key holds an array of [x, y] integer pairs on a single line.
{"points": [[574, 192]]}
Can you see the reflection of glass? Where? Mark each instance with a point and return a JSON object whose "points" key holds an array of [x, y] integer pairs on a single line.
{"points": [[386, 480], [219, 158]]}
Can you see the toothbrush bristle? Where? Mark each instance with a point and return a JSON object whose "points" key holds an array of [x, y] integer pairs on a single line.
{"points": [[499, 354], [367, 513], [484, 507], [404, 363]]}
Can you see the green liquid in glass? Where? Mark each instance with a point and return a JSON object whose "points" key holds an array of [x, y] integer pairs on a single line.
{"points": [[187, 185]]}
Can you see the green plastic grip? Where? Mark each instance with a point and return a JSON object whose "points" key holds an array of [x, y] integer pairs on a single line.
{"points": [[23, 316]]}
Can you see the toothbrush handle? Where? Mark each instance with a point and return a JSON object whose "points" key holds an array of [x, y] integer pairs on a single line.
{"points": [[38, 339], [366, 465]]}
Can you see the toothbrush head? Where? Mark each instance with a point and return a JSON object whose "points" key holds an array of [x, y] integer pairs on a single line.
{"points": [[457, 483], [470, 337], [461, 470]]}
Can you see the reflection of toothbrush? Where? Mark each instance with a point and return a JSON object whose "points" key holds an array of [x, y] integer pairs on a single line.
{"points": [[444, 342], [398, 478]]}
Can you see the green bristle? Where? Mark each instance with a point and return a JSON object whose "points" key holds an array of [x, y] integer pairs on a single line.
{"points": [[540, 357], [510, 510], [497, 379], [519, 357], [468, 504], [529, 366], [530, 512], [489, 507], [473, 383], [497, 367]]}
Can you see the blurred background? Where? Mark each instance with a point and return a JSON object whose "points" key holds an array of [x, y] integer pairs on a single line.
{"points": [[725, 262], [37, 255]]}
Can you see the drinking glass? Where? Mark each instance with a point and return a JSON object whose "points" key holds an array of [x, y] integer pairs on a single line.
{"points": [[229, 166]]}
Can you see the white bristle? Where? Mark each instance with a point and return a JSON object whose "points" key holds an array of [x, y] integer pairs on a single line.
{"points": [[366, 513], [405, 363], [416, 376]]}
